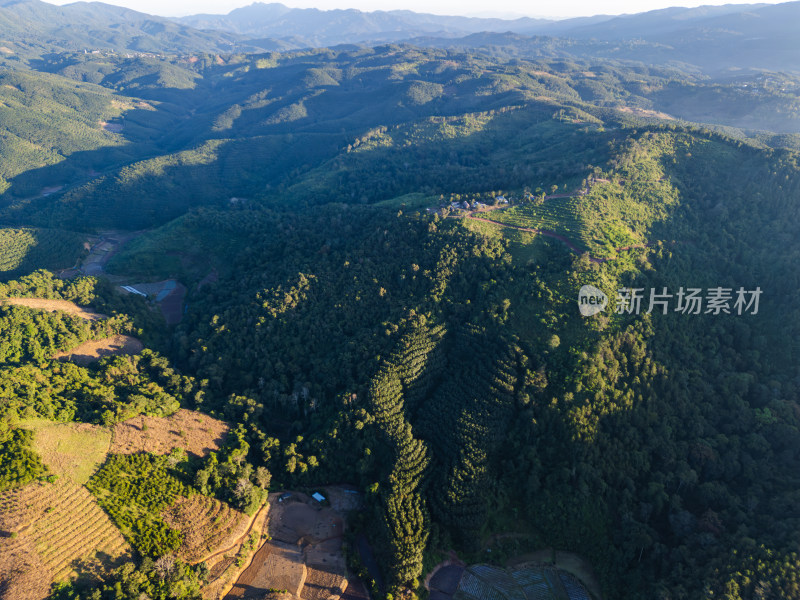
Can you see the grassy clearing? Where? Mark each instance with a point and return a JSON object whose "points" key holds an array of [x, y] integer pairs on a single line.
{"points": [[71, 450], [410, 201], [55, 305]]}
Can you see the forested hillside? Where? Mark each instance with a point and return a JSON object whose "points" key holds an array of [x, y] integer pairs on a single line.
{"points": [[417, 351], [372, 257], [320, 126]]}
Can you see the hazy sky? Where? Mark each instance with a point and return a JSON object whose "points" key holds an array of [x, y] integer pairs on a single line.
{"points": [[501, 8]]}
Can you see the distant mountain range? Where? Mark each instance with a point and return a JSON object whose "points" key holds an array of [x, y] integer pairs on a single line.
{"points": [[32, 25], [327, 27], [714, 38]]}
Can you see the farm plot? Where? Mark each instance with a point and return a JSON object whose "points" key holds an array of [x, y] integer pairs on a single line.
{"points": [[195, 432], [94, 350], [322, 582], [477, 588], [227, 564], [206, 524], [446, 579], [304, 554], [22, 574], [534, 584], [171, 304], [64, 527], [559, 215], [276, 566]]}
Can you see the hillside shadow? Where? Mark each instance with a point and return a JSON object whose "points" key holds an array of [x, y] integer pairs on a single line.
{"points": [[180, 156], [91, 572]]}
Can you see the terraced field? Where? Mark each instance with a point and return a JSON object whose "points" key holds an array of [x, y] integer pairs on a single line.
{"points": [[603, 222], [22, 574], [206, 524], [559, 215], [63, 526]]}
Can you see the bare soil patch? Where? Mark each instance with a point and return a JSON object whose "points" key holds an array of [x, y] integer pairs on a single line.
{"points": [[47, 191], [643, 112], [206, 524], [195, 432], [94, 350], [322, 582], [112, 127], [304, 554], [280, 567], [56, 305], [210, 279]]}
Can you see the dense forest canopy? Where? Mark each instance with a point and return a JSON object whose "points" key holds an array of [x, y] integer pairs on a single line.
{"points": [[381, 249]]}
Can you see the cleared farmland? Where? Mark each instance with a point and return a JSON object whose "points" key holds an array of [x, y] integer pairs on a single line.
{"points": [[22, 574], [64, 528], [304, 553], [54, 305], [206, 524], [559, 215], [94, 350], [195, 432]]}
